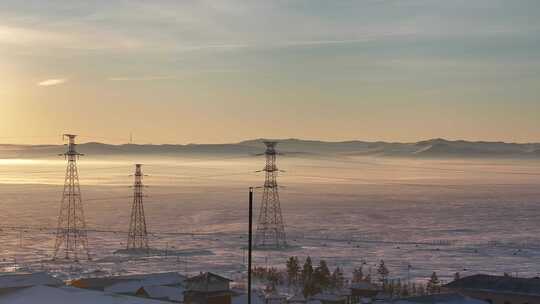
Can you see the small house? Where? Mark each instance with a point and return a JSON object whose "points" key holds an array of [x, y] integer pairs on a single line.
{"points": [[129, 284], [208, 288], [497, 289]]}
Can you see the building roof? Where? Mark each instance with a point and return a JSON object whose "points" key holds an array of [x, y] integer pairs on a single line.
{"points": [[175, 294], [207, 276], [125, 287], [54, 295], [161, 278], [498, 284], [451, 298], [28, 280]]}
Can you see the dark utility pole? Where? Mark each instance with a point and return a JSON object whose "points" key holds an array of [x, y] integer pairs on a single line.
{"points": [[250, 236]]}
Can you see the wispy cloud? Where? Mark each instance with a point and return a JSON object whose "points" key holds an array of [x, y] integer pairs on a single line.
{"points": [[10, 35], [51, 82], [366, 37], [204, 25]]}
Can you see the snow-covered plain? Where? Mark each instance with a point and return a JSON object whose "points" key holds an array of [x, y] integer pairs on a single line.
{"points": [[436, 215]]}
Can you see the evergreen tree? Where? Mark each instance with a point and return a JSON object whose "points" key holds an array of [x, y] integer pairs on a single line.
{"points": [[358, 274], [367, 278], [307, 270], [321, 277], [307, 278], [338, 280], [433, 285], [405, 290], [397, 288], [273, 277], [383, 273], [293, 268]]}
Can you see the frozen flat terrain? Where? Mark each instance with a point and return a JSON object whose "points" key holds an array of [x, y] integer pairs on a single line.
{"points": [[438, 215]]}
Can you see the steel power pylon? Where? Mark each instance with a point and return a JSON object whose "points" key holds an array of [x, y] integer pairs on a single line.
{"points": [[71, 236], [137, 236], [270, 227]]}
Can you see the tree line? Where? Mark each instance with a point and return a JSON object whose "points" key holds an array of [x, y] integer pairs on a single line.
{"points": [[312, 279]]}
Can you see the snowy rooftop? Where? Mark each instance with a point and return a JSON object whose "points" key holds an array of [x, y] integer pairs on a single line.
{"points": [[450, 298], [127, 283], [501, 284], [27, 280], [175, 294], [162, 278], [207, 276], [127, 287], [54, 295]]}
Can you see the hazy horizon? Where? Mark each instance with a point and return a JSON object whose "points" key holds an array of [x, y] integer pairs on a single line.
{"points": [[117, 142]]}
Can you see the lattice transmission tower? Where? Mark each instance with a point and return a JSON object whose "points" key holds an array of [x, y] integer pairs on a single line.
{"points": [[270, 227], [138, 235], [71, 236]]}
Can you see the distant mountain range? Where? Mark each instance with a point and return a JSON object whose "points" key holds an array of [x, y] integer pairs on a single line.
{"points": [[433, 148]]}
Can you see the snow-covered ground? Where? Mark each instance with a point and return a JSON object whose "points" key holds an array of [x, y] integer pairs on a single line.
{"points": [[445, 216]]}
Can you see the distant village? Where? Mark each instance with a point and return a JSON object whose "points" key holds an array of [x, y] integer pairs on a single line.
{"points": [[295, 283]]}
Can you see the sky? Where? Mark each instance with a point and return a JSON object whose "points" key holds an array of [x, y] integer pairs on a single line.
{"points": [[227, 70]]}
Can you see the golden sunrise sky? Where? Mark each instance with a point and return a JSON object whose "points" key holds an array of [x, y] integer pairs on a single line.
{"points": [[223, 71]]}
